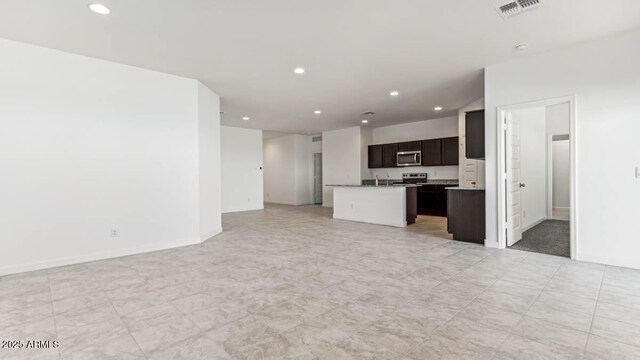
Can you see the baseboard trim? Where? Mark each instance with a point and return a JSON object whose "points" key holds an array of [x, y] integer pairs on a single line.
{"points": [[210, 234], [380, 222], [241, 210], [40, 265], [561, 207]]}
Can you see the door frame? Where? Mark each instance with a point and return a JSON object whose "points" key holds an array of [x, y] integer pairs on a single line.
{"points": [[509, 195], [501, 168], [550, 140]]}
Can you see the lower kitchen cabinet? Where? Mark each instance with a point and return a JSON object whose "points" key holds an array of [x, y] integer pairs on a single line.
{"points": [[432, 200], [412, 204], [466, 215]]}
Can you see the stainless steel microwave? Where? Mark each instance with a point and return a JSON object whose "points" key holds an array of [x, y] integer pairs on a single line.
{"points": [[409, 158]]}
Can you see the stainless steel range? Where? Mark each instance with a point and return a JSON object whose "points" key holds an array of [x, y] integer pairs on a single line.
{"points": [[414, 178]]}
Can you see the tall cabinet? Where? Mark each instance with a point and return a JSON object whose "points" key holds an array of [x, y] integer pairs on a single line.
{"points": [[472, 170], [474, 134]]}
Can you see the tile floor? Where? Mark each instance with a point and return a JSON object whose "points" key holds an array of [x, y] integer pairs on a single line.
{"points": [[291, 283]]}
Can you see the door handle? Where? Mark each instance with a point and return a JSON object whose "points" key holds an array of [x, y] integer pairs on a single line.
{"points": [[522, 185]]}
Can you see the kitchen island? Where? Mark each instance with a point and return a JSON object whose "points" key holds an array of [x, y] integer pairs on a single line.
{"points": [[466, 214], [393, 205]]}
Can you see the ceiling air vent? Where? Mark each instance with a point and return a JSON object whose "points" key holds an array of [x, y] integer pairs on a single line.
{"points": [[316, 138], [516, 7], [368, 113]]}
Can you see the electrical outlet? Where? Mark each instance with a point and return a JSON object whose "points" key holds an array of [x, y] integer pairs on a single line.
{"points": [[248, 199], [524, 213], [351, 206], [115, 233]]}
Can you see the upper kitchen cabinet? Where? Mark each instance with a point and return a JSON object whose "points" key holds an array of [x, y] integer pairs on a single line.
{"points": [[435, 152], [409, 146], [432, 152], [389, 155], [450, 151], [474, 134], [375, 156]]}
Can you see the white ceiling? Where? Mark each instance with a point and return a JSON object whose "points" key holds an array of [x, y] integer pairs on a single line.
{"points": [[354, 51]]}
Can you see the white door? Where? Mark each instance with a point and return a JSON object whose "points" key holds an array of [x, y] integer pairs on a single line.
{"points": [[469, 170], [513, 180]]}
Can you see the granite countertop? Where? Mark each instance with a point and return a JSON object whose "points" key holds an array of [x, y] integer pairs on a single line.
{"points": [[453, 182], [373, 186]]}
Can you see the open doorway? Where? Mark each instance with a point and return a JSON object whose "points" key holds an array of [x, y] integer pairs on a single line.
{"points": [[317, 178], [537, 177]]}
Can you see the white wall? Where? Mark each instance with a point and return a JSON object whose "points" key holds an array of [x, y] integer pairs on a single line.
{"points": [[419, 130], [533, 165], [558, 119], [604, 75], [279, 170], [209, 177], [303, 176], [366, 139], [561, 173], [341, 160], [88, 146], [242, 176], [287, 170]]}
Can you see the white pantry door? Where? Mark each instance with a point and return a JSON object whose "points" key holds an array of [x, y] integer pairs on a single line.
{"points": [[468, 172], [514, 185]]}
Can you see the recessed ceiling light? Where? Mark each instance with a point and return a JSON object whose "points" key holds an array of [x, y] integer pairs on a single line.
{"points": [[521, 47], [298, 70], [437, 108], [318, 112], [394, 93], [99, 9], [245, 118], [365, 121]]}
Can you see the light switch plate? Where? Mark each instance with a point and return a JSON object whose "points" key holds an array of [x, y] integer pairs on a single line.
{"points": [[637, 172]]}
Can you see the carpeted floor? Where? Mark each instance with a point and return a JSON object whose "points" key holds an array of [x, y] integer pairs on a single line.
{"points": [[549, 237]]}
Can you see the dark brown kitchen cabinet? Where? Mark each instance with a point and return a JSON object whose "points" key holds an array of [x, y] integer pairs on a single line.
{"points": [[450, 151], [466, 215], [389, 155], [435, 152], [431, 152], [375, 156], [474, 134], [432, 200], [412, 204], [409, 146]]}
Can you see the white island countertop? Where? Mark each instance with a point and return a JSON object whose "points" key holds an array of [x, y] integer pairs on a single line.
{"points": [[383, 205]]}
